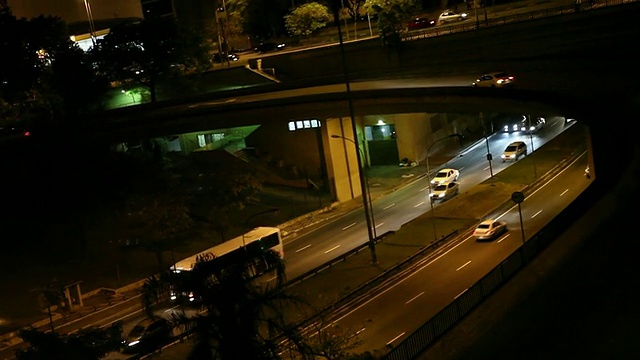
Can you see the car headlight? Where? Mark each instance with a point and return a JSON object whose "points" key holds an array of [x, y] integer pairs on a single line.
{"points": [[133, 343], [523, 128], [506, 128], [532, 128], [500, 81], [503, 156], [463, 15], [512, 156], [515, 127], [441, 195]]}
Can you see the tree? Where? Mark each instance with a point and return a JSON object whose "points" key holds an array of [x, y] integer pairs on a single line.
{"points": [[221, 184], [145, 52], [307, 18], [391, 19], [87, 344], [45, 78], [264, 19], [353, 7]]}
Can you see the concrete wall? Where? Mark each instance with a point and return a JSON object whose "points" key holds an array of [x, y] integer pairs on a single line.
{"points": [[342, 159]]}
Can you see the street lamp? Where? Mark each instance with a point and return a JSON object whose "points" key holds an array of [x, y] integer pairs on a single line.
{"points": [[343, 58], [366, 198], [486, 140], [459, 136]]}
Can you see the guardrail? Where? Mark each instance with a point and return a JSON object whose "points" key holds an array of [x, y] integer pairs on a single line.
{"points": [[472, 24]]}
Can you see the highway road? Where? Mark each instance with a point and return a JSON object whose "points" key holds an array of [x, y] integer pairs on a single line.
{"points": [[413, 298], [388, 211], [398, 208]]}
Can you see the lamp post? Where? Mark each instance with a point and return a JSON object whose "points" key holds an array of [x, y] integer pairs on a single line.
{"points": [[535, 170], [246, 222], [336, 19], [366, 198], [459, 136], [486, 140], [518, 198]]}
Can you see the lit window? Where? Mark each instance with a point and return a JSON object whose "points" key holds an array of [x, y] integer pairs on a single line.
{"points": [[304, 124], [201, 141]]}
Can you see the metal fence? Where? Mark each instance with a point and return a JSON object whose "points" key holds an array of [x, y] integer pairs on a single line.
{"points": [[482, 22]]}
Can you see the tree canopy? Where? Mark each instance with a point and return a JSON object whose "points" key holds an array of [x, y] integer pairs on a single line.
{"points": [[142, 53], [307, 18]]}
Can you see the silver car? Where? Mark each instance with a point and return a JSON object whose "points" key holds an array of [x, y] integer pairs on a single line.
{"points": [[444, 191]]}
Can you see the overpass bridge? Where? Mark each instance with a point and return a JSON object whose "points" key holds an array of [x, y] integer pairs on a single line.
{"points": [[422, 89]]}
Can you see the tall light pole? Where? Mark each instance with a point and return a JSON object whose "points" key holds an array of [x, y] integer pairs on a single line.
{"points": [[366, 198], [336, 18], [535, 170], [486, 140], [433, 215]]}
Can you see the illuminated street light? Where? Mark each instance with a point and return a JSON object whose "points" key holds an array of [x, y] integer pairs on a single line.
{"points": [[433, 215], [366, 198]]}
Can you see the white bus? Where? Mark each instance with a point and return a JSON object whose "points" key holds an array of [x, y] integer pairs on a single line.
{"points": [[257, 241]]}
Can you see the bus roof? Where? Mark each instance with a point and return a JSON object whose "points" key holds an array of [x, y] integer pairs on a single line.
{"points": [[226, 247]]}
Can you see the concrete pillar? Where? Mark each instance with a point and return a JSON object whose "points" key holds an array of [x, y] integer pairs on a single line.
{"points": [[341, 158]]}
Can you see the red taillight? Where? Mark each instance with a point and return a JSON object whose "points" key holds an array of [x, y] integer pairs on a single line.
{"points": [[26, 133]]}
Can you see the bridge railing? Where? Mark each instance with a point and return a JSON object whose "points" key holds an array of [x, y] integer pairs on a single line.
{"points": [[482, 22]]}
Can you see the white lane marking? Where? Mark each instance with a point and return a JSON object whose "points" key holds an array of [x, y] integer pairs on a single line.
{"points": [[415, 297], [502, 238], [377, 226], [545, 184], [303, 248], [333, 248], [396, 338], [348, 226], [536, 214], [359, 331], [169, 309], [421, 203], [424, 188], [402, 280], [564, 192], [465, 264], [463, 291], [388, 206], [417, 271], [487, 168]]}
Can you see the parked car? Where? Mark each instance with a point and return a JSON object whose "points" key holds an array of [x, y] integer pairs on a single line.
{"points": [[533, 126], [514, 151], [148, 335], [231, 57], [264, 47], [495, 80], [444, 191], [451, 16], [445, 176], [421, 23], [490, 229]]}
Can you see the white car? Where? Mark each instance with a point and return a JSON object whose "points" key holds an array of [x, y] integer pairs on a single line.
{"points": [[444, 191], [445, 176], [494, 80], [490, 229], [451, 16], [514, 151]]}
